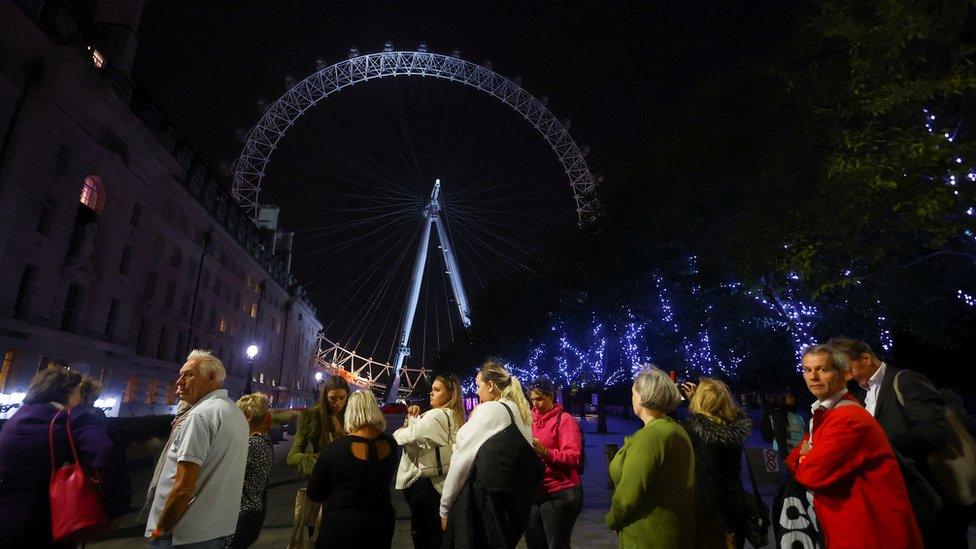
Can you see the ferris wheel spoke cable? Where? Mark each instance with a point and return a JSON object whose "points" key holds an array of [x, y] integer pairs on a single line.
{"points": [[345, 245], [377, 260], [494, 250], [353, 327], [491, 265], [378, 297], [479, 226], [400, 290]]}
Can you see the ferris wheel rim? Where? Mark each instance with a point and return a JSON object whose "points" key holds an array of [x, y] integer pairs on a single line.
{"points": [[263, 138]]}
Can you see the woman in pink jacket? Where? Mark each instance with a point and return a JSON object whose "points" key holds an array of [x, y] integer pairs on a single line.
{"points": [[557, 438]]}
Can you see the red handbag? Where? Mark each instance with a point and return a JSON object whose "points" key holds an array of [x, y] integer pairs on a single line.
{"points": [[77, 512]]}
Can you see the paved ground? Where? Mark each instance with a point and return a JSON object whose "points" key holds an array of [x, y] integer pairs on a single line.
{"points": [[589, 531]]}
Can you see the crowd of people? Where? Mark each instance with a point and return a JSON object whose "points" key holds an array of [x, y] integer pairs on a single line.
{"points": [[511, 469]]}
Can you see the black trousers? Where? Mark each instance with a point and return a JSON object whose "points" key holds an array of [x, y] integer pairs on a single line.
{"points": [[425, 518], [551, 519]]}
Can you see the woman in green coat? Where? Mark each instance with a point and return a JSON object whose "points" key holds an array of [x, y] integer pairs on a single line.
{"points": [[317, 426], [654, 472]]}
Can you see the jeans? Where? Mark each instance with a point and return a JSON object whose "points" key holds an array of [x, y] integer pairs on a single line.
{"points": [[552, 519], [425, 518], [166, 542]]}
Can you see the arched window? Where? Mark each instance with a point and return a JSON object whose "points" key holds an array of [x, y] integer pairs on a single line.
{"points": [[93, 193]]}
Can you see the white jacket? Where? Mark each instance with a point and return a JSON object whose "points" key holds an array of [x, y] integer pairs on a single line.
{"points": [[485, 420], [420, 435]]}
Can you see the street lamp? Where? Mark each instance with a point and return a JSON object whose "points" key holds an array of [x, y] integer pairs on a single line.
{"points": [[251, 352]]}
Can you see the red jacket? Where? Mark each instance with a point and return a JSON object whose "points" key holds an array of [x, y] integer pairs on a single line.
{"points": [[565, 446], [859, 495]]}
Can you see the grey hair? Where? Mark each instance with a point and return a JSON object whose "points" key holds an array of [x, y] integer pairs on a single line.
{"points": [[836, 358], [361, 411], [656, 390], [208, 363]]}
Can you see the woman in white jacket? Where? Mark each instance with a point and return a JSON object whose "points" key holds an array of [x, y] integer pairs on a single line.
{"points": [[427, 441], [502, 404]]}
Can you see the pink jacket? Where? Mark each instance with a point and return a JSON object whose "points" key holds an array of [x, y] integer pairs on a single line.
{"points": [[565, 446]]}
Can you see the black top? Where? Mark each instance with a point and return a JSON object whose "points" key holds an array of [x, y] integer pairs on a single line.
{"points": [[340, 480], [718, 468]]}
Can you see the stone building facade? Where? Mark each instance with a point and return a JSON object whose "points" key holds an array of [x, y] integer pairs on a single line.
{"points": [[118, 251]]}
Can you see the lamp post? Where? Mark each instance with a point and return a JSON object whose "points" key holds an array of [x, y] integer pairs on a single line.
{"points": [[251, 352]]}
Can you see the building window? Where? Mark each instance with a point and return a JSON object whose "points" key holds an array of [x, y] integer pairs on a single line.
{"points": [[157, 249], [23, 291], [8, 363], [45, 216], [150, 291], [223, 325], [254, 310], [113, 311], [168, 300], [177, 258], [124, 261], [142, 339], [70, 307], [178, 355], [131, 385], [136, 216], [185, 306], [171, 393], [161, 344], [151, 392], [93, 193]]}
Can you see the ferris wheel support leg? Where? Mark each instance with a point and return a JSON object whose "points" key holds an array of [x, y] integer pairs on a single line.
{"points": [[403, 350], [454, 273]]}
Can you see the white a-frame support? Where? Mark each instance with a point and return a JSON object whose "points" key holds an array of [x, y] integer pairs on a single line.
{"points": [[432, 216]]}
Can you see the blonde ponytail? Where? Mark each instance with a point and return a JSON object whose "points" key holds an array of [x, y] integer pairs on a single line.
{"points": [[509, 385]]}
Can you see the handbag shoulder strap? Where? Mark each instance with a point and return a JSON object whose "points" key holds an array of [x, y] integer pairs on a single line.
{"points": [[450, 428], [752, 478], [71, 438], [509, 410], [50, 438], [898, 395]]}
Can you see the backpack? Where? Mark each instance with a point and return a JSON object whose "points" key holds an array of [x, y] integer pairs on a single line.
{"points": [[954, 466], [507, 464], [582, 462]]}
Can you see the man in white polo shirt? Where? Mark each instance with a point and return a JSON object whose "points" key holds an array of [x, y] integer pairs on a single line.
{"points": [[199, 492]]}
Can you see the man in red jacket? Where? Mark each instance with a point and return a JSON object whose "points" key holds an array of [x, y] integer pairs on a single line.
{"points": [[859, 495]]}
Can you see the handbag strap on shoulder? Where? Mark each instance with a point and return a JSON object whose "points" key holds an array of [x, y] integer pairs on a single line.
{"points": [[71, 438], [509, 410]]}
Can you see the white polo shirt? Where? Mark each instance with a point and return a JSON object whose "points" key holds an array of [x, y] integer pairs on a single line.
{"points": [[214, 435]]}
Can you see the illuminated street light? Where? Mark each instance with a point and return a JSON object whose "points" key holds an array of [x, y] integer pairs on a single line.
{"points": [[251, 352]]}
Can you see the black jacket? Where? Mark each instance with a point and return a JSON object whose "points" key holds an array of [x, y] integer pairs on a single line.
{"points": [[718, 468], [919, 427]]}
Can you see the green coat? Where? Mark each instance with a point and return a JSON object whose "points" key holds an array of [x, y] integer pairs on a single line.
{"points": [[309, 437], [653, 500]]}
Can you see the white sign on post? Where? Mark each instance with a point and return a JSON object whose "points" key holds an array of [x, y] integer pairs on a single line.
{"points": [[771, 460]]}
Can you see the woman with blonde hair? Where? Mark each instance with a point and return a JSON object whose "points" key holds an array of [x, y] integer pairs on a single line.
{"points": [[260, 458], [718, 429], [485, 500], [427, 442], [352, 480]]}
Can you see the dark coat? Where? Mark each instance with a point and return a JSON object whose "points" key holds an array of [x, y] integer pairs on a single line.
{"points": [[25, 470], [918, 428], [719, 497]]}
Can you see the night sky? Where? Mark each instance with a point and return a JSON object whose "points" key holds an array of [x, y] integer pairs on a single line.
{"points": [[353, 173]]}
